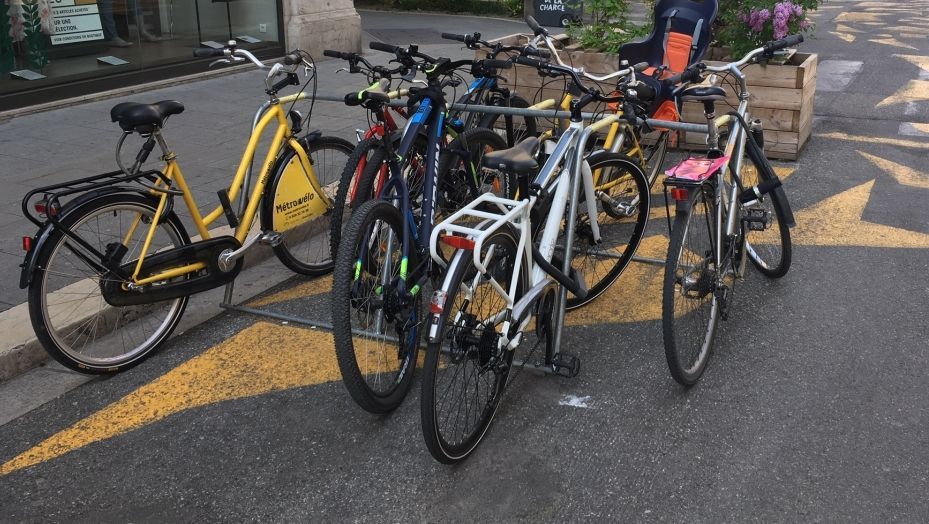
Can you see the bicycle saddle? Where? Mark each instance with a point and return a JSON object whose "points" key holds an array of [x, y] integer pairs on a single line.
{"points": [[144, 118], [703, 92], [518, 159]]}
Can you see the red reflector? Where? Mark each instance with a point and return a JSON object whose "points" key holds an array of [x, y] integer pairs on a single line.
{"points": [[679, 193], [438, 302], [458, 242], [42, 208], [27, 244]]}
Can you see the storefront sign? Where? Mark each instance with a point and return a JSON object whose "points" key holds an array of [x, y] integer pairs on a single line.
{"points": [[76, 21]]}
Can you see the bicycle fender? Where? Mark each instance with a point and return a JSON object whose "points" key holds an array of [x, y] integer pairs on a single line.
{"points": [[42, 235]]}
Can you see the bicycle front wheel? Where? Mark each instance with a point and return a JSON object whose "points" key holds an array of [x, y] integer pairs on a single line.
{"points": [[690, 308], [376, 329], [769, 247], [622, 214], [354, 190], [466, 366], [306, 248], [69, 312], [460, 167]]}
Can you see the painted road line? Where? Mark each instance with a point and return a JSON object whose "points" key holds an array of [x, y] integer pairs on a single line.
{"points": [[904, 175], [914, 90], [262, 358], [838, 135], [837, 221]]}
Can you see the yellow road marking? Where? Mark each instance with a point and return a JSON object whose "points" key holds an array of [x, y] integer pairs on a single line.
{"points": [[858, 17], [308, 288], [634, 297], [917, 90], [260, 359], [842, 28], [904, 175], [843, 36], [837, 221], [919, 61], [891, 41], [837, 135]]}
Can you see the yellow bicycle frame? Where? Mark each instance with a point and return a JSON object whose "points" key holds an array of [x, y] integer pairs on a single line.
{"points": [[275, 115]]}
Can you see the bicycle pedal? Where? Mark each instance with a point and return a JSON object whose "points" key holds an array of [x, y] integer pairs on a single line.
{"points": [[566, 364], [271, 238], [756, 219]]}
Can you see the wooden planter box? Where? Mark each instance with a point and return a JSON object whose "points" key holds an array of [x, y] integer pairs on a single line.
{"points": [[781, 96]]}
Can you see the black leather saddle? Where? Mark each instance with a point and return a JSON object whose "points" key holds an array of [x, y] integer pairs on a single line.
{"points": [[703, 93], [519, 159], [144, 118]]}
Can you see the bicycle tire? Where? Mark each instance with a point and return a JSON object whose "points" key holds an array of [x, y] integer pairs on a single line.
{"points": [[770, 250], [620, 234], [682, 286], [351, 278], [487, 360], [312, 256], [71, 297], [528, 124], [453, 191], [354, 190]]}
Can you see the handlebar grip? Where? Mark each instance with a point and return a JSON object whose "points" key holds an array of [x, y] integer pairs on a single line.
{"points": [[381, 46], [292, 58], [208, 52], [535, 51], [691, 74], [356, 99], [641, 66], [526, 61], [497, 64], [776, 45], [335, 54], [645, 92], [453, 36], [536, 28]]}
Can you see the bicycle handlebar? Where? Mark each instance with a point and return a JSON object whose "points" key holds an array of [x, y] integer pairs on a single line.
{"points": [[536, 28], [783, 43], [208, 52]]}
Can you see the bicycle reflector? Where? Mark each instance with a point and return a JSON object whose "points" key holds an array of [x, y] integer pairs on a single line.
{"points": [[680, 193], [43, 208], [458, 242], [27, 244], [438, 302]]}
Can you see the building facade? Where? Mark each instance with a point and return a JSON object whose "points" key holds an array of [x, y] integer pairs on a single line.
{"points": [[57, 49]]}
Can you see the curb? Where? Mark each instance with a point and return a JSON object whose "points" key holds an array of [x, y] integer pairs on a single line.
{"points": [[20, 350]]}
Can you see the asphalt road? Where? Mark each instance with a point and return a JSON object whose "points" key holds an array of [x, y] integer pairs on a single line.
{"points": [[814, 407]]}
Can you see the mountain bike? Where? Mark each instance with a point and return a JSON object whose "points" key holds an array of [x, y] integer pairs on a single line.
{"points": [[513, 264], [729, 208], [382, 264], [112, 265]]}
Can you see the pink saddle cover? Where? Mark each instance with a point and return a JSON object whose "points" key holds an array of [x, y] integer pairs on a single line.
{"points": [[697, 169]]}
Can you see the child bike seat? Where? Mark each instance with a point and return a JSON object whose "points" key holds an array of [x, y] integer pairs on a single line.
{"points": [[519, 159], [144, 118]]}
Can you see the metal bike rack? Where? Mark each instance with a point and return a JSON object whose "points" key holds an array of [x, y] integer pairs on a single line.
{"points": [[537, 113]]}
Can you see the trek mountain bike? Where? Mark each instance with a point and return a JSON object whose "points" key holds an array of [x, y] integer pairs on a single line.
{"points": [[729, 208], [112, 265], [383, 264], [513, 264]]}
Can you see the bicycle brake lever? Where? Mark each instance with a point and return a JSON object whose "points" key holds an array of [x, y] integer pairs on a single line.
{"points": [[220, 61], [411, 77]]}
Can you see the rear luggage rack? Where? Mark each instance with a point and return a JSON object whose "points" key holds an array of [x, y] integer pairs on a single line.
{"points": [[52, 194]]}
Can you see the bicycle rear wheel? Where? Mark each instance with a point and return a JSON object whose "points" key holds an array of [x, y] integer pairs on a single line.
{"points": [[513, 129], [466, 369], [769, 249], [690, 309], [461, 161], [69, 312], [306, 249], [622, 215], [376, 333]]}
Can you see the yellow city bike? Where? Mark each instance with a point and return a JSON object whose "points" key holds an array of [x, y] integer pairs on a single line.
{"points": [[112, 266]]}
